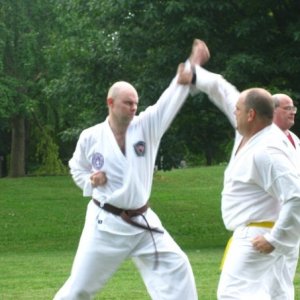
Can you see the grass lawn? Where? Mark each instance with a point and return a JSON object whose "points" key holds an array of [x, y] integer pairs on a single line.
{"points": [[41, 219], [37, 276]]}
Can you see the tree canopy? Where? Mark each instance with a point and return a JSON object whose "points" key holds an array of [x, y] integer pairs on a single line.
{"points": [[58, 59]]}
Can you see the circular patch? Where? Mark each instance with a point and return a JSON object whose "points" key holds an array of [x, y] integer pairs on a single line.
{"points": [[97, 161]]}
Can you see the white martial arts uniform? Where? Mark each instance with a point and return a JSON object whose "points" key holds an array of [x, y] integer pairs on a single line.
{"points": [[107, 240], [291, 259], [261, 184]]}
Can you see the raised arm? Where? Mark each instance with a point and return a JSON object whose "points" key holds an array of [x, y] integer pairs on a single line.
{"points": [[160, 115], [222, 93]]}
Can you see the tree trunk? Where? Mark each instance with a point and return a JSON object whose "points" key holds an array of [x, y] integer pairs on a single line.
{"points": [[17, 157], [208, 156]]}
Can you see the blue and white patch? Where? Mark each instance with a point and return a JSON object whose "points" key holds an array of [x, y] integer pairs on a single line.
{"points": [[140, 148], [97, 161]]}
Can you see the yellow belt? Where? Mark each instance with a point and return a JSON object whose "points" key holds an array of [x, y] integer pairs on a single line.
{"points": [[253, 224], [262, 224]]}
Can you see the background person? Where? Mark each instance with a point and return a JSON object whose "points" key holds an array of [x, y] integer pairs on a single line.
{"points": [[284, 118]]}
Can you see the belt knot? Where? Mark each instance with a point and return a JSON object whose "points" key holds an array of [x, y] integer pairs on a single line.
{"points": [[127, 214]]}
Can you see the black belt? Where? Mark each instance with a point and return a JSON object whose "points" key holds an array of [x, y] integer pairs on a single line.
{"points": [[127, 214]]}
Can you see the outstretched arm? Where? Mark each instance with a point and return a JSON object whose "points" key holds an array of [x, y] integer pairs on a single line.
{"points": [[160, 115], [220, 92], [199, 56]]}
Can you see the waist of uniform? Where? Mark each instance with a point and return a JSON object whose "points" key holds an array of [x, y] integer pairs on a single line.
{"points": [[265, 224], [118, 211], [128, 214]]}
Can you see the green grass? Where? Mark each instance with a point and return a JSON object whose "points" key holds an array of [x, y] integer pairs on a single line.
{"points": [[37, 276], [41, 219], [39, 213]]}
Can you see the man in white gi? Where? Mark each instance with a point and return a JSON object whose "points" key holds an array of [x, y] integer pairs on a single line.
{"points": [[113, 163], [261, 194]]}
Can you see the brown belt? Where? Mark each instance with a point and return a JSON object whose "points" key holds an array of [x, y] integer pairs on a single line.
{"points": [[127, 215]]}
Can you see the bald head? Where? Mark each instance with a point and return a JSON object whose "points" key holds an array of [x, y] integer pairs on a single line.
{"points": [[120, 87]]}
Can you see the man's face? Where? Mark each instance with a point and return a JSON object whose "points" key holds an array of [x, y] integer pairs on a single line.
{"points": [[124, 106], [241, 115], [284, 114]]}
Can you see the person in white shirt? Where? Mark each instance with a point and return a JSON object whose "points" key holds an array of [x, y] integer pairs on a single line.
{"points": [[261, 194], [284, 118], [113, 163]]}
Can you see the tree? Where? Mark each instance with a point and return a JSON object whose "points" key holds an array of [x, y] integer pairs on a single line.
{"points": [[60, 57], [22, 37], [142, 42]]}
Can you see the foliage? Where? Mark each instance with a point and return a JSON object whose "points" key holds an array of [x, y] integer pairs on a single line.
{"points": [[140, 39], [20, 56], [198, 125], [22, 34], [47, 153], [58, 59]]}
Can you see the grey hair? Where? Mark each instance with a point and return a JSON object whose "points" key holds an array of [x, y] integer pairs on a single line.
{"points": [[276, 101]]}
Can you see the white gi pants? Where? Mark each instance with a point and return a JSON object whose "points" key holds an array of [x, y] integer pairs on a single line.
{"points": [[100, 253], [248, 274], [291, 262]]}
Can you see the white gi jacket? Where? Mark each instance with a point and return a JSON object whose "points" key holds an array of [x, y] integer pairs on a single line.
{"points": [[261, 182], [129, 178]]}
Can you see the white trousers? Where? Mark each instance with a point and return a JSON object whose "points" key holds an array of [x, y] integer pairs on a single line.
{"points": [[248, 274], [289, 270], [100, 253]]}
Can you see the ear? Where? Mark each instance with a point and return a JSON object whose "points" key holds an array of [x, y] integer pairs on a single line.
{"points": [[109, 102], [251, 114]]}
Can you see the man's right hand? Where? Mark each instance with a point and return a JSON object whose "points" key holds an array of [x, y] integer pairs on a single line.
{"points": [[184, 76], [98, 179]]}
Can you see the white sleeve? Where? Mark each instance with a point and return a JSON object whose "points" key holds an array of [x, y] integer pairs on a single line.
{"points": [[285, 236], [159, 116], [280, 179], [80, 167], [222, 93], [285, 233]]}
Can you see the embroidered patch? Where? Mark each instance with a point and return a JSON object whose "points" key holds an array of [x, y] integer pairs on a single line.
{"points": [[97, 161], [140, 148]]}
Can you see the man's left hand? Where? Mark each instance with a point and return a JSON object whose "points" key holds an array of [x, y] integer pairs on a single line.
{"points": [[262, 245]]}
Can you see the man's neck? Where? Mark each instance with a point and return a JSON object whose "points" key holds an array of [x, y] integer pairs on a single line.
{"points": [[117, 129], [119, 134]]}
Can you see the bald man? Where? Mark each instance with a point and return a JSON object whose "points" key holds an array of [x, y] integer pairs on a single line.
{"points": [[113, 164]]}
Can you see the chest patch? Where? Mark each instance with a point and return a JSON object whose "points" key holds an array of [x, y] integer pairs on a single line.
{"points": [[97, 161], [140, 148]]}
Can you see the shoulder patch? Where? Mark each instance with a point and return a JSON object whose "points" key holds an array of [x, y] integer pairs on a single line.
{"points": [[140, 148]]}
